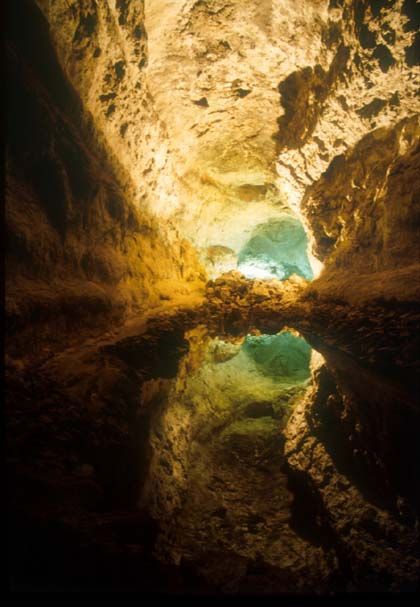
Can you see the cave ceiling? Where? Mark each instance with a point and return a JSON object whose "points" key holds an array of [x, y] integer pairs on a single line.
{"points": [[223, 113]]}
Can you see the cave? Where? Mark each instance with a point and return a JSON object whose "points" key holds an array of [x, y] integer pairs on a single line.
{"points": [[276, 249], [212, 298]]}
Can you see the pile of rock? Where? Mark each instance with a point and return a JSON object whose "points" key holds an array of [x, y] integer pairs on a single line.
{"points": [[237, 302]]}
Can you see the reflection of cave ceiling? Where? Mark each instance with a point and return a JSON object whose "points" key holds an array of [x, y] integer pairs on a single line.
{"points": [[284, 357]]}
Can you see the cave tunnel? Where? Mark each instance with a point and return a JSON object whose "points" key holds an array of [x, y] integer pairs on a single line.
{"points": [[276, 249], [212, 297]]}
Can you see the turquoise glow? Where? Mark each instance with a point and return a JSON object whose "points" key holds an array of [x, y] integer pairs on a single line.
{"points": [[284, 357], [276, 249]]}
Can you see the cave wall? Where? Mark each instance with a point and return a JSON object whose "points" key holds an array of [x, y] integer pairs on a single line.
{"points": [[348, 150], [364, 78], [225, 113], [350, 450], [189, 119], [79, 250], [103, 49], [363, 211], [221, 116]]}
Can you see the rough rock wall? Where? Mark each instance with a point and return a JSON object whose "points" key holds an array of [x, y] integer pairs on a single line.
{"points": [[103, 49], [311, 77], [219, 63], [351, 454], [363, 78], [225, 112], [186, 96], [363, 211], [348, 148], [78, 249]]}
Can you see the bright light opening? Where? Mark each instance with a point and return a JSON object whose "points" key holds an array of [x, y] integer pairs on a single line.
{"points": [[276, 249], [256, 269]]}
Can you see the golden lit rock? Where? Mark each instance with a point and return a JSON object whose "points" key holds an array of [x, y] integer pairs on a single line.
{"points": [[213, 296]]}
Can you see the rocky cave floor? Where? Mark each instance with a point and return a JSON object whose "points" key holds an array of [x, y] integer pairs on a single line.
{"points": [[146, 460]]}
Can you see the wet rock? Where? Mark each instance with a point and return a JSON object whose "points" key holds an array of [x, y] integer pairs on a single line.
{"points": [[262, 409]]}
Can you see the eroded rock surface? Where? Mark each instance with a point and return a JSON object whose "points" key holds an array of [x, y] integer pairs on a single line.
{"points": [[79, 250], [359, 209], [152, 146], [325, 453]]}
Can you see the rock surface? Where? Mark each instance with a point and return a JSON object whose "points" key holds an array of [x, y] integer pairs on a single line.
{"points": [[79, 251], [358, 211], [226, 111], [323, 451], [148, 448], [230, 114]]}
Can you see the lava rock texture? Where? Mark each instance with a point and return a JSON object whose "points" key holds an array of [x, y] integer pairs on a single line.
{"points": [[148, 143]]}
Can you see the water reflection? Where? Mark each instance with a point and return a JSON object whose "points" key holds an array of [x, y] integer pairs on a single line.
{"points": [[217, 484], [285, 357], [249, 441]]}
